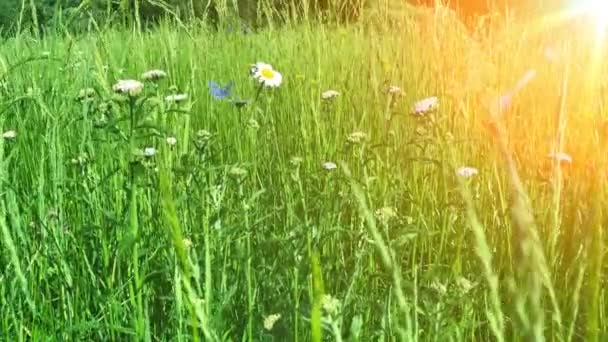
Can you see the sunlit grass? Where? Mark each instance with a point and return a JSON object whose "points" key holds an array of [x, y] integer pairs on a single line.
{"points": [[430, 213]]}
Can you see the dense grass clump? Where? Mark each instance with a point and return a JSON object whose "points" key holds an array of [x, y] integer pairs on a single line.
{"points": [[423, 199]]}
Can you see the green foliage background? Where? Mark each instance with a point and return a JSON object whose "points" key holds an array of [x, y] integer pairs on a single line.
{"points": [[77, 15]]}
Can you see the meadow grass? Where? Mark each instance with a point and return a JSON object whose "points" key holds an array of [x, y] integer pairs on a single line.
{"points": [[206, 239]]}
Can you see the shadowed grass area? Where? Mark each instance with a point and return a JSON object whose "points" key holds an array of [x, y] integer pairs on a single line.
{"points": [[237, 230]]}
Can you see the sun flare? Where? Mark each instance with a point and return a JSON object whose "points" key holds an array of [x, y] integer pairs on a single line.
{"points": [[597, 10]]}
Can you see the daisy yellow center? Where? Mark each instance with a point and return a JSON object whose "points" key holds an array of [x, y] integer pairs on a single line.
{"points": [[267, 74]]}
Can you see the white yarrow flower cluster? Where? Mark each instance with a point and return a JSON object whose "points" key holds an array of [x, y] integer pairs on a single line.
{"points": [[329, 94], [467, 172], [153, 75], [270, 321], [171, 141], [128, 87], [386, 214], [426, 105], [356, 137], [149, 152], [9, 135], [394, 90], [330, 305], [329, 166]]}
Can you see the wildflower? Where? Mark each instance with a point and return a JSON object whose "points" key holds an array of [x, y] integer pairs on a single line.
{"points": [[80, 159], [465, 284], [171, 141], [438, 286], [386, 214], [329, 94], [296, 161], [100, 121], [153, 75], [253, 124], [356, 137], [560, 157], [266, 75], [329, 166], [129, 87], [9, 135], [426, 105], [176, 98], [255, 68], [237, 172], [270, 321], [394, 90], [467, 172], [219, 92], [149, 152], [203, 134], [330, 305], [86, 93]]}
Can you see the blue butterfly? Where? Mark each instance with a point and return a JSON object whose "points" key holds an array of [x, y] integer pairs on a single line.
{"points": [[218, 92]]}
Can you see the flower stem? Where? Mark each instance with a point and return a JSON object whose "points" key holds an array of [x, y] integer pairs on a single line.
{"points": [[257, 95]]}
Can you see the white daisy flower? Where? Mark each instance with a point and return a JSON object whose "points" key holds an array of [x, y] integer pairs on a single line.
{"points": [[153, 75], [560, 157], [130, 87], [329, 94], [265, 74], [329, 166], [426, 105], [467, 172], [255, 68], [176, 98], [149, 151], [171, 141], [9, 135]]}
